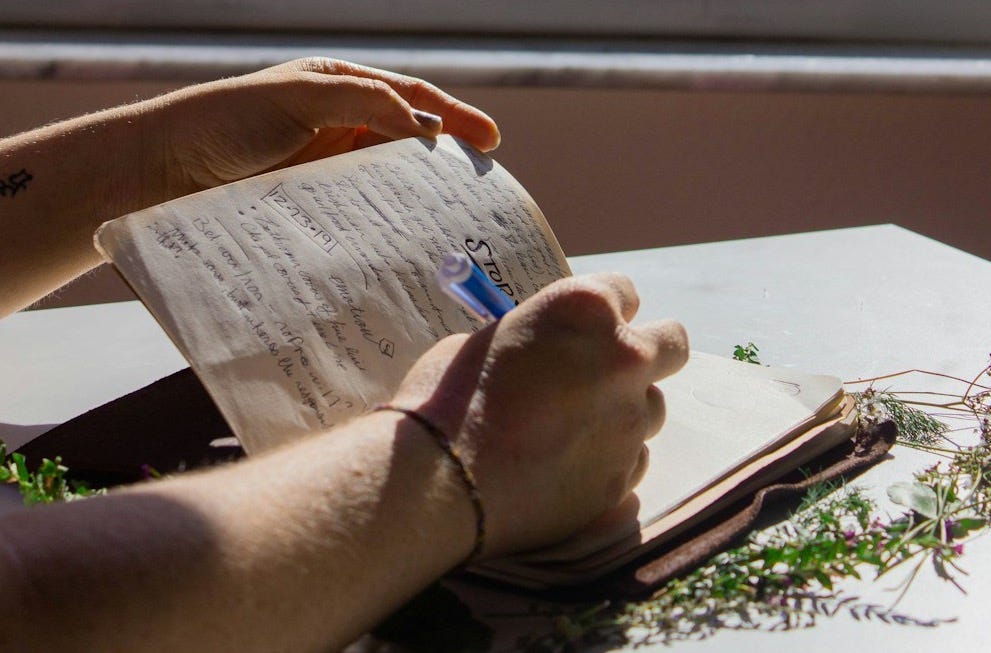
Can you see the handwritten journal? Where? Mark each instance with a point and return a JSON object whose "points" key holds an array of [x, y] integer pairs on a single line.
{"points": [[301, 297]]}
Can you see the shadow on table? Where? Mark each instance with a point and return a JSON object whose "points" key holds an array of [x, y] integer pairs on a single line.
{"points": [[168, 426], [16, 435]]}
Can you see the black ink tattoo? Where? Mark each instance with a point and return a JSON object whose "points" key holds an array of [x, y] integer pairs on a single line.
{"points": [[15, 182]]}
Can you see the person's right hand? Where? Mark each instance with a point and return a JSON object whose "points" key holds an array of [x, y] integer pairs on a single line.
{"points": [[550, 407]]}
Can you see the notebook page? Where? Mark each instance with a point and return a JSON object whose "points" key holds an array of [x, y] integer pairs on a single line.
{"points": [[301, 297], [721, 414]]}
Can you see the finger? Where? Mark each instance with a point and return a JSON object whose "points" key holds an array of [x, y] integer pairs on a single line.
{"points": [[593, 299], [666, 347], [325, 101], [656, 411], [449, 345], [460, 119], [368, 138], [329, 142], [622, 292], [640, 470], [432, 364]]}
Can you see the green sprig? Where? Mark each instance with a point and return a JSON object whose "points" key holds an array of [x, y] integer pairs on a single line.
{"points": [[778, 580], [786, 577], [915, 426], [746, 353], [45, 485]]}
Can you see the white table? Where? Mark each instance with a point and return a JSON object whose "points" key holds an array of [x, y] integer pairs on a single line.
{"points": [[854, 303]]}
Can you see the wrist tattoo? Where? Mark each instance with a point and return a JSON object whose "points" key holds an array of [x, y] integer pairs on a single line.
{"points": [[15, 182]]}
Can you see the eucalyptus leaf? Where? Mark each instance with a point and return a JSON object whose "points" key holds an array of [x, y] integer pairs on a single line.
{"points": [[917, 496]]}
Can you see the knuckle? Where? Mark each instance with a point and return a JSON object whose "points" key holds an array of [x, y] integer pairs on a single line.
{"points": [[632, 352], [377, 86], [577, 301], [675, 341], [678, 334], [665, 345], [418, 89], [620, 285], [315, 64], [453, 341], [380, 95], [619, 282]]}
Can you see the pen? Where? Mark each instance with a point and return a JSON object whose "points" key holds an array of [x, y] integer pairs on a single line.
{"points": [[465, 283]]}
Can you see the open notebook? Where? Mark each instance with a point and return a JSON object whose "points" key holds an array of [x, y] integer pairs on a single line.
{"points": [[301, 297]]}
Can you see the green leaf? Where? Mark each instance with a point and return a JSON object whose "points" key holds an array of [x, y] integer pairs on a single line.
{"points": [[963, 526], [920, 498], [823, 578], [20, 467], [771, 555], [928, 540], [746, 354]]}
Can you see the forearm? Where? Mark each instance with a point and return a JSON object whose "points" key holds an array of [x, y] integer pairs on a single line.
{"points": [[72, 177], [297, 550]]}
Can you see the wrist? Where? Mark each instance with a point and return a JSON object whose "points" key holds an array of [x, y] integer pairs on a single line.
{"points": [[456, 462], [430, 486], [360, 518], [82, 172]]}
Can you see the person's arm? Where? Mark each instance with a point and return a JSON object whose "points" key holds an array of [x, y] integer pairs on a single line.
{"points": [[60, 182], [307, 547], [300, 550]]}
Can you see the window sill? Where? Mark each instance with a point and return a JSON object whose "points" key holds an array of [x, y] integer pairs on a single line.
{"points": [[522, 62]]}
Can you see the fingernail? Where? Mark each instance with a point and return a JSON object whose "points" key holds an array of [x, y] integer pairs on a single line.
{"points": [[430, 120]]}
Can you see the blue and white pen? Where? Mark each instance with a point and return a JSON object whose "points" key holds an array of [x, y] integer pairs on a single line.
{"points": [[465, 283]]}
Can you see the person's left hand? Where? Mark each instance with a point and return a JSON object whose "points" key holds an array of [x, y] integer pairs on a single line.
{"points": [[296, 112], [109, 163]]}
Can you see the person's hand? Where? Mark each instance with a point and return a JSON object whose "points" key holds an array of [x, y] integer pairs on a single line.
{"points": [[300, 111], [551, 406], [195, 138]]}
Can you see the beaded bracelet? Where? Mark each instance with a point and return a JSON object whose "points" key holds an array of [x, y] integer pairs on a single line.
{"points": [[466, 476]]}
